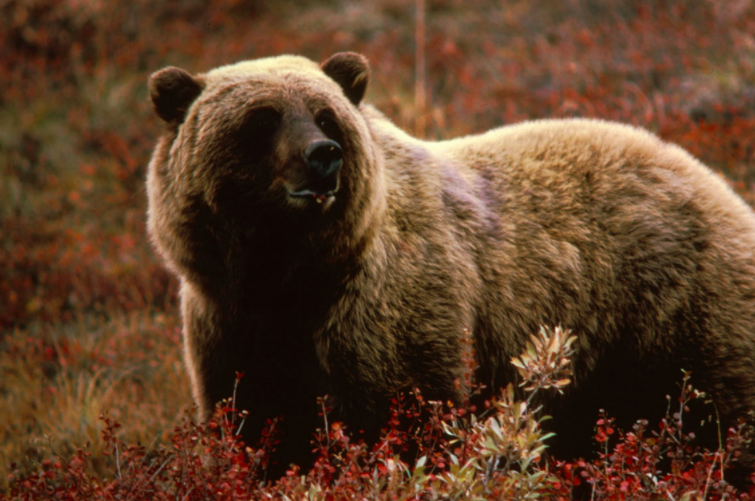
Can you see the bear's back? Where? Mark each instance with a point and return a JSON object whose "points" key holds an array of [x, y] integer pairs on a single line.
{"points": [[565, 176]]}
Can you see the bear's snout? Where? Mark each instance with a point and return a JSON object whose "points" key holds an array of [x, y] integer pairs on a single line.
{"points": [[323, 159]]}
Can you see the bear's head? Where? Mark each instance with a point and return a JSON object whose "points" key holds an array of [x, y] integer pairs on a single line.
{"points": [[266, 147]]}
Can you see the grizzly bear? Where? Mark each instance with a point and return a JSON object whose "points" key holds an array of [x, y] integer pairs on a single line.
{"points": [[323, 251]]}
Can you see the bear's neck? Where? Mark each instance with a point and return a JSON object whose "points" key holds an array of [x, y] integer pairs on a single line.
{"points": [[275, 268]]}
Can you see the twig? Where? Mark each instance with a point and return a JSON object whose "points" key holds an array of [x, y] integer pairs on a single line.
{"points": [[419, 84], [325, 418], [118, 461]]}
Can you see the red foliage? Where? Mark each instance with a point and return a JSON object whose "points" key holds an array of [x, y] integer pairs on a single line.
{"points": [[210, 462]]}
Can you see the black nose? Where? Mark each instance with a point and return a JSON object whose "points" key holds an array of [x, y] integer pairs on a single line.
{"points": [[323, 160]]}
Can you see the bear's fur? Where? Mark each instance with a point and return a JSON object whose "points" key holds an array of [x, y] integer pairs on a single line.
{"points": [[599, 227]]}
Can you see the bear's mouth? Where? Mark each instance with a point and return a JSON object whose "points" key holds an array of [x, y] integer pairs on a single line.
{"points": [[318, 196]]}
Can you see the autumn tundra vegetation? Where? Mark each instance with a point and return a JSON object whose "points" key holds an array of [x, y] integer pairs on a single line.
{"points": [[94, 399]]}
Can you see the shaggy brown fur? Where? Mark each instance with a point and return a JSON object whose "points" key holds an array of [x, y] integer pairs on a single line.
{"points": [[630, 242]]}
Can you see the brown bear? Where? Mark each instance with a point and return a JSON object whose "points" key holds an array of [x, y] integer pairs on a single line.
{"points": [[321, 250]]}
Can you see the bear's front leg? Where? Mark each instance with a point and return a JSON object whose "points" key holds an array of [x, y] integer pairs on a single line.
{"points": [[281, 375], [205, 352]]}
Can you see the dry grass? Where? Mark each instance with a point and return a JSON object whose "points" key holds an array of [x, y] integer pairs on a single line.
{"points": [[58, 380]]}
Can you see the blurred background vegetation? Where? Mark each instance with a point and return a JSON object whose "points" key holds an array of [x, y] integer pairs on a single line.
{"points": [[88, 317]]}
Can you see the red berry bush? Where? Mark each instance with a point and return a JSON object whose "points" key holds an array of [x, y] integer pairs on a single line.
{"points": [[428, 450]]}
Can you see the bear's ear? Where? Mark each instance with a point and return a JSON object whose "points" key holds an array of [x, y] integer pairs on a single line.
{"points": [[351, 71], [172, 91]]}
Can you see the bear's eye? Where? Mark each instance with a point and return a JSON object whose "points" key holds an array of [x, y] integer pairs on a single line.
{"points": [[263, 120], [326, 121], [255, 135]]}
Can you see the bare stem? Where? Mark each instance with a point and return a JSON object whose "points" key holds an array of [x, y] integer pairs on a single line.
{"points": [[419, 84]]}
